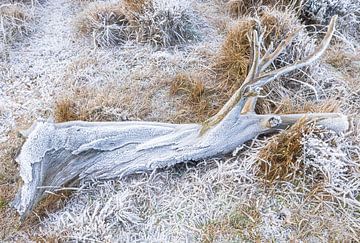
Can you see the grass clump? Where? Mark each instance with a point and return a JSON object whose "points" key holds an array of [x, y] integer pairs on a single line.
{"points": [[108, 103], [239, 225], [79, 109], [14, 21], [193, 94], [319, 12], [157, 22], [105, 22], [166, 23], [275, 25], [239, 8], [280, 157], [308, 155]]}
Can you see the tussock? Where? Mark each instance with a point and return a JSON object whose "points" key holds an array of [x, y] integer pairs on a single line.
{"points": [[105, 22], [318, 12], [240, 8], [14, 21], [232, 61], [195, 104], [108, 103], [166, 23], [156, 22], [279, 159]]}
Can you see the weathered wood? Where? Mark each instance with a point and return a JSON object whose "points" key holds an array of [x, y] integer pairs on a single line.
{"points": [[55, 155]]}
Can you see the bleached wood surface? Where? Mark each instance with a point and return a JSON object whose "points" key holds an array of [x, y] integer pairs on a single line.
{"points": [[55, 155]]}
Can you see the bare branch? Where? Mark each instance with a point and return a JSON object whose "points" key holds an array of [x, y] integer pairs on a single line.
{"points": [[266, 78], [270, 57], [55, 155]]}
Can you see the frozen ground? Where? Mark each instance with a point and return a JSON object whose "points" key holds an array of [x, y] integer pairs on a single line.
{"points": [[219, 200]]}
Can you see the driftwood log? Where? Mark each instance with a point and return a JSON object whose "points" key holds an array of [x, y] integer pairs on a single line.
{"points": [[55, 155]]}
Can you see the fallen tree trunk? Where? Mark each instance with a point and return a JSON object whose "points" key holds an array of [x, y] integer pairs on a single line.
{"points": [[55, 155]]}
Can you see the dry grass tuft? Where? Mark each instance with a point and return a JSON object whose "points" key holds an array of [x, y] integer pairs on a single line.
{"points": [[166, 23], [158, 22], [194, 96], [107, 23], [240, 8], [14, 21], [136, 6], [239, 225], [65, 110], [108, 103], [8, 184], [79, 108], [319, 12], [279, 158], [232, 61], [289, 106]]}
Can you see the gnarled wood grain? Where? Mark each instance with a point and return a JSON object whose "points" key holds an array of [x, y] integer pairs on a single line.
{"points": [[55, 155]]}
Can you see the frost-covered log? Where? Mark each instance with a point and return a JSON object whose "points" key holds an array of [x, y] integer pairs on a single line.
{"points": [[56, 155]]}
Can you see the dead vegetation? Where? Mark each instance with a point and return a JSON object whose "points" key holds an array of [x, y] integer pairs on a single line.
{"points": [[279, 158], [320, 11], [240, 8], [314, 211], [275, 26], [14, 18], [104, 104], [8, 184], [157, 22], [105, 22], [195, 98], [239, 225]]}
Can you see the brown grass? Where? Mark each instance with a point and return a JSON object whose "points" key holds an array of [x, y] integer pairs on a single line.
{"points": [[108, 103], [9, 180], [279, 158], [65, 110], [233, 227], [195, 97], [136, 6], [288, 106], [240, 8], [105, 22], [13, 18], [233, 59]]}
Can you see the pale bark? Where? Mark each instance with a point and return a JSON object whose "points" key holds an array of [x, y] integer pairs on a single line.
{"points": [[55, 155]]}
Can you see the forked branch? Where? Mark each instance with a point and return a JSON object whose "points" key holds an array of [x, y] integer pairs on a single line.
{"points": [[55, 155], [256, 78]]}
